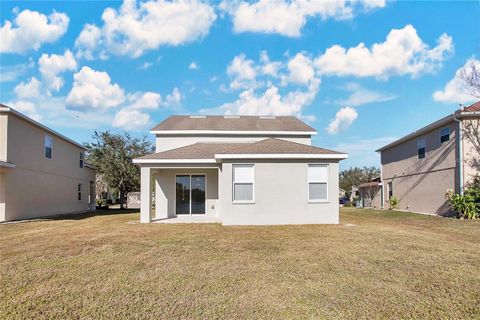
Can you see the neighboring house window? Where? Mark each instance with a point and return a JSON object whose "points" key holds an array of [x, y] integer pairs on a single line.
{"points": [[444, 134], [390, 190], [317, 182], [79, 191], [243, 177], [421, 148], [82, 157], [48, 146]]}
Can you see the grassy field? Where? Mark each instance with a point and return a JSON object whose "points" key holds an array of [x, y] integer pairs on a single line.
{"points": [[373, 265]]}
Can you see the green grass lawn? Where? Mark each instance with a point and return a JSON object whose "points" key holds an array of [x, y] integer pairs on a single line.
{"points": [[373, 265]]}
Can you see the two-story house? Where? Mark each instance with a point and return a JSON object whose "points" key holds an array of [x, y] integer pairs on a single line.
{"points": [[42, 172], [422, 167], [239, 170]]}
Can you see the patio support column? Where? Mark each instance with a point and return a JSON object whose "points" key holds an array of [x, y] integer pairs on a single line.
{"points": [[145, 195]]}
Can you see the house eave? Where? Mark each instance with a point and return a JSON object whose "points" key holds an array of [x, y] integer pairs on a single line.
{"points": [[279, 156], [162, 161], [7, 109], [432, 126]]}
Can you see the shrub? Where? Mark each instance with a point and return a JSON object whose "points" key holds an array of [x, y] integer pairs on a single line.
{"points": [[394, 203], [466, 206]]}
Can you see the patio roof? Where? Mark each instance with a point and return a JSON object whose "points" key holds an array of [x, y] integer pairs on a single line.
{"points": [[264, 149]]}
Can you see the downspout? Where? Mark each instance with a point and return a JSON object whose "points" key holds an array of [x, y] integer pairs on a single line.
{"points": [[382, 201], [459, 139]]}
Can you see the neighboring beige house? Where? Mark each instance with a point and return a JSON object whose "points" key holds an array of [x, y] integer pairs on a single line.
{"points": [[239, 170], [42, 173], [422, 167]]}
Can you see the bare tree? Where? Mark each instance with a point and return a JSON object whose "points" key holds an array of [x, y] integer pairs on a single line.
{"points": [[471, 76]]}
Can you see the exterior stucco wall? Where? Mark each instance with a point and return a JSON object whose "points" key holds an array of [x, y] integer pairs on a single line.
{"points": [[38, 186], [3, 136], [164, 180], [164, 143], [281, 195], [470, 154], [421, 184]]}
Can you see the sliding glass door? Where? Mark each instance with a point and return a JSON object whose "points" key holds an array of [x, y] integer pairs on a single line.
{"points": [[190, 194]]}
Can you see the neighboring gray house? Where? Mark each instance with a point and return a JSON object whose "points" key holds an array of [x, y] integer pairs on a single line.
{"points": [[422, 167], [239, 170]]}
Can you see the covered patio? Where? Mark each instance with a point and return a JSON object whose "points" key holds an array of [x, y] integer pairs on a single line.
{"points": [[179, 193]]}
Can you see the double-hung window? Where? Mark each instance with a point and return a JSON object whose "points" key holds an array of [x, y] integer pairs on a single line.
{"points": [[317, 182], [48, 146], [444, 134], [243, 183], [421, 148], [82, 158]]}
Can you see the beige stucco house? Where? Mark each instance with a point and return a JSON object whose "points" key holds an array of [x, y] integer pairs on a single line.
{"points": [[239, 170], [42, 172], [420, 168]]}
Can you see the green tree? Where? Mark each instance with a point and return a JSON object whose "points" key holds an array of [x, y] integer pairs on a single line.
{"points": [[356, 175], [112, 155]]}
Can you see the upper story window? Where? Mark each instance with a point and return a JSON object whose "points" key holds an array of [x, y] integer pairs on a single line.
{"points": [[48, 146], [444, 134], [82, 158], [421, 148], [243, 183], [317, 182]]}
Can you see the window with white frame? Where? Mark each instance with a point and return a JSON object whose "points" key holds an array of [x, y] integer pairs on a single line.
{"points": [[421, 148], [444, 134], [243, 182], [82, 158], [79, 191], [317, 182], [48, 146]]}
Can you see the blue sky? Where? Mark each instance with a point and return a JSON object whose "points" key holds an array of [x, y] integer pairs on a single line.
{"points": [[362, 73]]}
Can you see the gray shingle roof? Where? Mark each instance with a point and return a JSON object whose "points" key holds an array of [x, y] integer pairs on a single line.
{"points": [[278, 146], [194, 151], [233, 123], [202, 150]]}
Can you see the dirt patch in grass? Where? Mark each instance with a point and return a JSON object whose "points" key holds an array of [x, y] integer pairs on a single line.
{"points": [[375, 265]]}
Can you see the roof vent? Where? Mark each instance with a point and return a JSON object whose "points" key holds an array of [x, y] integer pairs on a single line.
{"points": [[268, 117], [198, 117], [231, 117]]}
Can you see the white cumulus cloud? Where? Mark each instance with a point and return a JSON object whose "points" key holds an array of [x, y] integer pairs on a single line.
{"points": [[403, 52], [455, 90], [343, 120], [135, 28], [131, 119], [30, 30], [193, 66], [287, 18], [30, 89], [243, 72], [50, 66], [269, 102], [301, 69], [94, 89]]}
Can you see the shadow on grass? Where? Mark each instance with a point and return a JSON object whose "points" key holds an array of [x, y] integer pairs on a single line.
{"points": [[86, 215], [77, 216]]}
